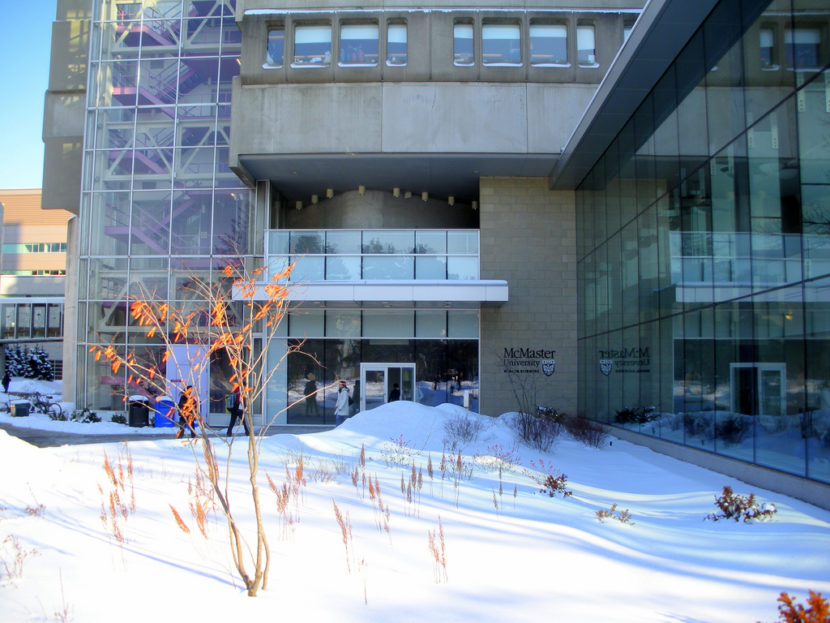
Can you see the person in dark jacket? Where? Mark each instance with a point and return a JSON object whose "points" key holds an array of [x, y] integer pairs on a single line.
{"points": [[395, 394], [237, 412], [6, 380]]}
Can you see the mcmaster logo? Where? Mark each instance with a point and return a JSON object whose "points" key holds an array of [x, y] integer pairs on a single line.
{"points": [[528, 353], [529, 361]]}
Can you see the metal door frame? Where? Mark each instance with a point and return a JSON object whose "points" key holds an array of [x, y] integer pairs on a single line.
{"points": [[374, 366]]}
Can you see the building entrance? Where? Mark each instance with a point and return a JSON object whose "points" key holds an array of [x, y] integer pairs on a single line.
{"points": [[378, 381]]}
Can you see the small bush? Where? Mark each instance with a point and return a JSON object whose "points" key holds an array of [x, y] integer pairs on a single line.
{"points": [[587, 431], [740, 507], [463, 429], [732, 429], [553, 482], [556, 484], [118, 419], [818, 610], [636, 415], [622, 516], [539, 430]]}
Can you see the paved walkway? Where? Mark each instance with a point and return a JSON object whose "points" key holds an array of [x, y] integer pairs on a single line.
{"points": [[51, 438]]}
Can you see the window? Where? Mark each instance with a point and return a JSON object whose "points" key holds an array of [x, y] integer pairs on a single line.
{"points": [[628, 25], [276, 46], [396, 44], [586, 53], [802, 47], [501, 44], [463, 44], [312, 45], [767, 43], [359, 44], [548, 44]]}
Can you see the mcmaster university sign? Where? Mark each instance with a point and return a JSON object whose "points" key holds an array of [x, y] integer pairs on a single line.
{"points": [[529, 361]]}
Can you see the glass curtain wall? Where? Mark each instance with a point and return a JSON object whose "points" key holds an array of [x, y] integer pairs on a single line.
{"points": [[160, 206], [443, 346], [704, 247]]}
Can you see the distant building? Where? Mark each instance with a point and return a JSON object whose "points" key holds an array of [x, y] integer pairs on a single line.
{"points": [[32, 274]]}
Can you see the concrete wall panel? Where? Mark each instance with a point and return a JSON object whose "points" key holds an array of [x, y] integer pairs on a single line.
{"points": [[477, 118], [528, 237]]}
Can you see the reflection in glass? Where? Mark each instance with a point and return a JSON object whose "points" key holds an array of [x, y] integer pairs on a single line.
{"points": [[548, 44], [463, 44]]}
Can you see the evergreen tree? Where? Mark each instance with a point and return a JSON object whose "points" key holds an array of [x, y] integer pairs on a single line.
{"points": [[39, 366], [15, 362]]}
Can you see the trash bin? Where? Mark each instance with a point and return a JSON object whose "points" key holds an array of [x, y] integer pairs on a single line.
{"points": [[165, 412], [20, 408], [139, 411]]}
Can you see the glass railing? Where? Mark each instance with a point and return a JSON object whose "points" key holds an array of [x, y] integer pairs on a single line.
{"points": [[748, 258], [374, 254]]}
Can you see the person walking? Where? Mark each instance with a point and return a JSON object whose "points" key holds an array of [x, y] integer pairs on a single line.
{"points": [[187, 413], [341, 407], [237, 412], [310, 393], [6, 380]]}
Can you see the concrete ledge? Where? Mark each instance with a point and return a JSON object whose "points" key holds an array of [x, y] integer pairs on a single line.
{"points": [[810, 491]]}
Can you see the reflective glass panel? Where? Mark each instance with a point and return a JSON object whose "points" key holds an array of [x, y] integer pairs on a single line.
{"points": [[359, 44], [463, 44], [312, 45], [501, 44], [396, 44], [548, 44]]}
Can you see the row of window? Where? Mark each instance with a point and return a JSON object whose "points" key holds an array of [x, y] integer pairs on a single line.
{"points": [[35, 247], [801, 47], [26, 320], [37, 273], [501, 44]]}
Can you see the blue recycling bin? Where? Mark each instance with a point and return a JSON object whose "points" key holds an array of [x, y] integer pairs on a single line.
{"points": [[166, 414]]}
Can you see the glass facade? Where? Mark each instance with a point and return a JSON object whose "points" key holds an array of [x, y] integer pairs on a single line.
{"points": [[159, 203], [443, 345], [704, 247]]}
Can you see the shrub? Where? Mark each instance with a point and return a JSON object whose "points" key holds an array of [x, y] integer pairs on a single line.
{"points": [[539, 430], [85, 416], [636, 415], [732, 429], [118, 419], [463, 429], [587, 431], [622, 516], [740, 507], [553, 482], [818, 610]]}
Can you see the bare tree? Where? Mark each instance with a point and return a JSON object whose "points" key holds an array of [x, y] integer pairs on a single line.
{"points": [[222, 318]]}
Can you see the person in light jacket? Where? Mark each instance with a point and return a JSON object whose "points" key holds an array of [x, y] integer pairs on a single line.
{"points": [[341, 407]]}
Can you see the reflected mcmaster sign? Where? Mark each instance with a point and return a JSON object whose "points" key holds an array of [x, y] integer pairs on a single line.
{"points": [[634, 359], [529, 361]]}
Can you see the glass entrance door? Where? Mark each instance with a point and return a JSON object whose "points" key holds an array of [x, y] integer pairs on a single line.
{"points": [[384, 382]]}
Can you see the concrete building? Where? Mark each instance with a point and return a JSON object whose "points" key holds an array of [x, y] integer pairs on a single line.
{"points": [[32, 274], [614, 209]]}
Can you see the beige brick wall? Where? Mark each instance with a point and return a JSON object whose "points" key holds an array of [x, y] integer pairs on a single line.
{"points": [[528, 237]]}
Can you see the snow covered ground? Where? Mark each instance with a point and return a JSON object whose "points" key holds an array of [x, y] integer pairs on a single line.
{"points": [[511, 552]]}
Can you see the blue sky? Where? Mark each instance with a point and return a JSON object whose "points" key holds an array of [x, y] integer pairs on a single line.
{"points": [[25, 42]]}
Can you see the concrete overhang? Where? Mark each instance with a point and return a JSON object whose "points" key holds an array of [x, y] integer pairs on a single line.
{"points": [[396, 294], [660, 33], [298, 176]]}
